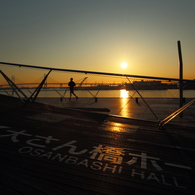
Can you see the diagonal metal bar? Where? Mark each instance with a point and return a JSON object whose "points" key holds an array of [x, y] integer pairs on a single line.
{"points": [[13, 86], [174, 114], [143, 99], [37, 90], [93, 72]]}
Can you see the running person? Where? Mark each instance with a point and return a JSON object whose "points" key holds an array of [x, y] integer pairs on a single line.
{"points": [[71, 85]]}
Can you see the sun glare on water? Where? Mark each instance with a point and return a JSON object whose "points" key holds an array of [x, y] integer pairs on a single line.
{"points": [[124, 93]]}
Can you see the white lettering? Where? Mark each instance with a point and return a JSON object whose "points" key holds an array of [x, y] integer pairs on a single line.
{"points": [[111, 168], [153, 177], [84, 162], [96, 165], [164, 182], [120, 169], [71, 160], [176, 183], [25, 150], [36, 152], [136, 173]]}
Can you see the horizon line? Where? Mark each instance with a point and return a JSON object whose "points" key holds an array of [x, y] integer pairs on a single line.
{"points": [[94, 72]]}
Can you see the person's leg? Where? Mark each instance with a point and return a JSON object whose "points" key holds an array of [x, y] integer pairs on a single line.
{"points": [[75, 95]]}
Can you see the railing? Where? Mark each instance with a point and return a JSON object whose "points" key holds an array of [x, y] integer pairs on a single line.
{"points": [[176, 113], [133, 96]]}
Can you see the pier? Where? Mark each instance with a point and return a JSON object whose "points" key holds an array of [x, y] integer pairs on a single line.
{"points": [[50, 150]]}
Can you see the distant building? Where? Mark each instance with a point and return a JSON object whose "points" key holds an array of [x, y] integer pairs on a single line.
{"points": [[189, 85], [149, 85]]}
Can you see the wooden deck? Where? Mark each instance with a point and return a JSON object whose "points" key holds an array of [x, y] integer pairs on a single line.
{"points": [[49, 150]]}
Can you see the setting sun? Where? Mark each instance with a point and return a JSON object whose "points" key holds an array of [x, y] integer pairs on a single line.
{"points": [[124, 65]]}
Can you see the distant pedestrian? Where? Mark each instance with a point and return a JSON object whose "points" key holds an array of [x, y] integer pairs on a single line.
{"points": [[71, 85]]}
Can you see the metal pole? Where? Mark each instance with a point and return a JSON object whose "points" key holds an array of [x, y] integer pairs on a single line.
{"points": [[180, 75], [93, 72]]}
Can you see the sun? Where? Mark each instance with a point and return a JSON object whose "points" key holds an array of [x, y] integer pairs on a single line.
{"points": [[124, 65]]}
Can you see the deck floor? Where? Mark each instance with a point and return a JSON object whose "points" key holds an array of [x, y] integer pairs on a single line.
{"points": [[47, 149]]}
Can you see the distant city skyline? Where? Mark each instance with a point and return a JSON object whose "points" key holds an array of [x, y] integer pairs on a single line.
{"points": [[100, 35]]}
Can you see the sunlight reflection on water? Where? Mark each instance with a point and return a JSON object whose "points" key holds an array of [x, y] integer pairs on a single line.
{"points": [[124, 103], [58, 92], [124, 93]]}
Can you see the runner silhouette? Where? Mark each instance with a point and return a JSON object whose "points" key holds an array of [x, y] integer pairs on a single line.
{"points": [[71, 85]]}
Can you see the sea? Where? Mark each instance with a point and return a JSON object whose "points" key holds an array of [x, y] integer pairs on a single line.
{"points": [[59, 92]]}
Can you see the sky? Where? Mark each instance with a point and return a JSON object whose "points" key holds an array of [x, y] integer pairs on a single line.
{"points": [[97, 35]]}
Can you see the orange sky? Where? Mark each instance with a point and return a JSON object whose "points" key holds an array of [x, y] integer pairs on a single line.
{"points": [[99, 35]]}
